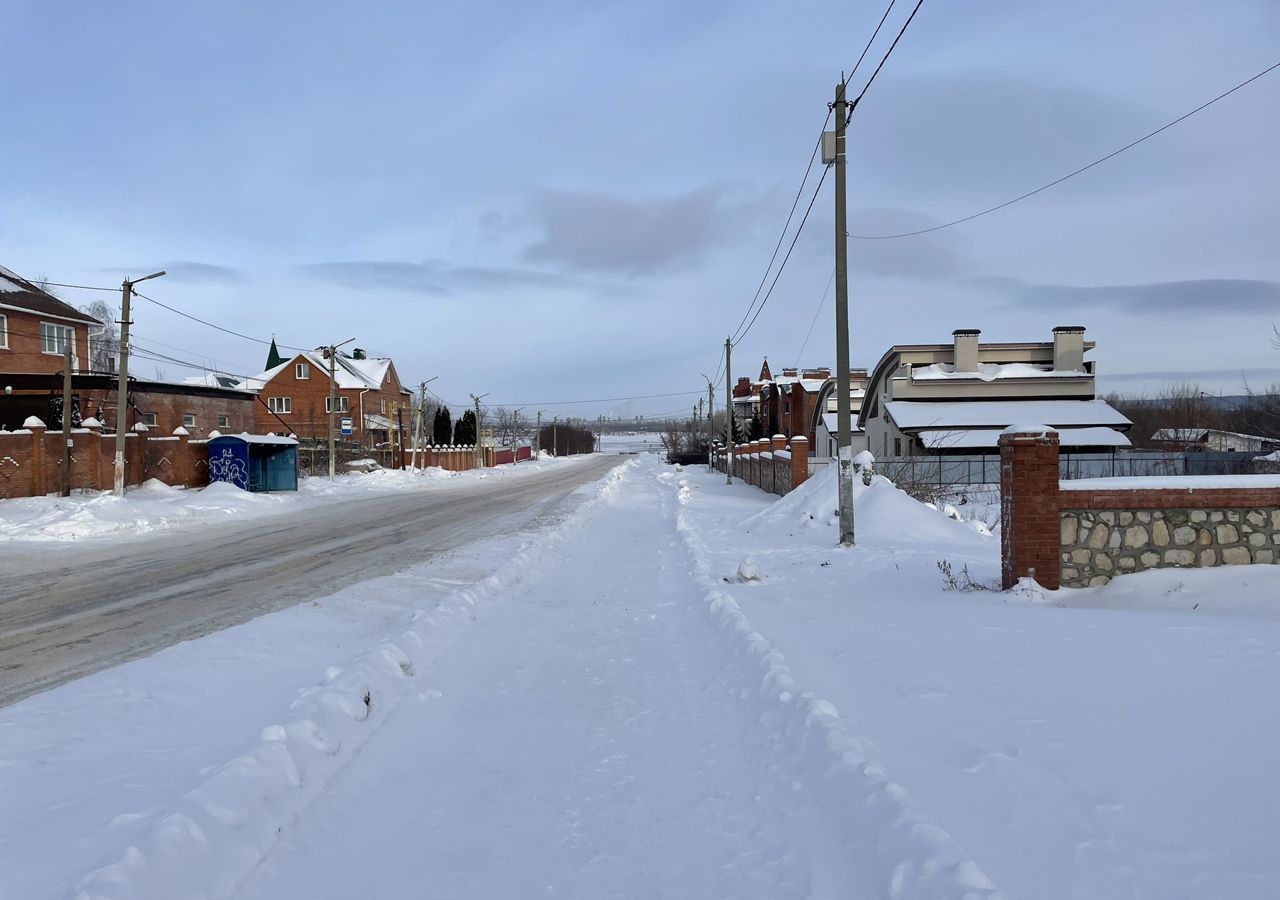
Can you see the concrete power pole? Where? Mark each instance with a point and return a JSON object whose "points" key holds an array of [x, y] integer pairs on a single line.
{"points": [[333, 408], [66, 422], [122, 384], [479, 445], [711, 413], [537, 438], [843, 423], [728, 410]]}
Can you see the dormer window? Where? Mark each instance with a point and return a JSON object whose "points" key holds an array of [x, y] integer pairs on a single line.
{"points": [[302, 371]]}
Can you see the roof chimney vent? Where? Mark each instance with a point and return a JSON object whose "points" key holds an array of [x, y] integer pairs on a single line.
{"points": [[966, 349], [358, 353], [1068, 348]]}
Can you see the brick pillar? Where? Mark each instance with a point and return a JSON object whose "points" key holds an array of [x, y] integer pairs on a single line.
{"points": [[776, 443], [799, 461], [1029, 529], [39, 458]]}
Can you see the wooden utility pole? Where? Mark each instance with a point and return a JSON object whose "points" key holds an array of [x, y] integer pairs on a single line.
{"points": [[66, 422], [843, 414], [728, 410]]}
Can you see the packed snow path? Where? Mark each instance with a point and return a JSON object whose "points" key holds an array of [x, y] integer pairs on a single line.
{"points": [[594, 737], [66, 612]]}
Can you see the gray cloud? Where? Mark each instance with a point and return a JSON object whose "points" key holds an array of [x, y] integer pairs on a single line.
{"points": [[437, 277], [1201, 296], [927, 256], [187, 272], [598, 232]]}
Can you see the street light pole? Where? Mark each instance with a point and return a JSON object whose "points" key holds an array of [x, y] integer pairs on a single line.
{"points": [[711, 412], [479, 446], [422, 415], [122, 384], [844, 438]]}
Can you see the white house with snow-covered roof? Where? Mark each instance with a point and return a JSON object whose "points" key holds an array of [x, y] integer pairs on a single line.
{"points": [[957, 397]]}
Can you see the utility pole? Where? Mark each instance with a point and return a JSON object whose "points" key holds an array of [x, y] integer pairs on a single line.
{"points": [[122, 383], [711, 413], [422, 417], [555, 443], [333, 405], [479, 445], [728, 410], [515, 436], [843, 415], [66, 422], [537, 438]]}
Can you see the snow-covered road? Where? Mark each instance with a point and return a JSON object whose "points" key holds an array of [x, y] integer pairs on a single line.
{"points": [[595, 737], [66, 611]]}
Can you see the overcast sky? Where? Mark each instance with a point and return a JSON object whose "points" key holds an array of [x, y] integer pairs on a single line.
{"points": [[573, 200]]}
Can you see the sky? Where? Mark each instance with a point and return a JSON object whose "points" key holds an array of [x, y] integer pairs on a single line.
{"points": [[570, 201]]}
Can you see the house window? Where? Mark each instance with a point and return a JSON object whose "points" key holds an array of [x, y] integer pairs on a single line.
{"points": [[224, 421], [4, 332], [344, 404], [897, 446], [149, 419], [56, 338], [280, 404], [384, 406], [188, 421], [302, 371]]}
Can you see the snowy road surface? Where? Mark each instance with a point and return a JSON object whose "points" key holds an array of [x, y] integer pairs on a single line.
{"points": [[592, 739], [66, 611]]}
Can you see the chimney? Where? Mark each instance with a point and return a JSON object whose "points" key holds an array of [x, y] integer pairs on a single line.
{"points": [[966, 352], [790, 373], [358, 353], [1068, 348], [743, 388]]}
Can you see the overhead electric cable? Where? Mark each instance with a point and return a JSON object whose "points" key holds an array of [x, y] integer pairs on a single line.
{"points": [[1073, 174]]}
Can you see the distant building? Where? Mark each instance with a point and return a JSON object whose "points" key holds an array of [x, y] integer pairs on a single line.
{"points": [[1213, 440], [958, 397], [826, 426], [295, 398]]}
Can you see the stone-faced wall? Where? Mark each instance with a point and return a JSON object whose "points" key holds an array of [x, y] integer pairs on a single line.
{"points": [[1082, 533], [1098, 544]]}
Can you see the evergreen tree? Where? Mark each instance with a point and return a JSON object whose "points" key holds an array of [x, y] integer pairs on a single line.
{"points": [[442, 428], [464, 430], [773, 424], [755, 430]]}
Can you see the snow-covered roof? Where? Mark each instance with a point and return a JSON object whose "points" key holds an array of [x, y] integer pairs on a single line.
{"points": [[17, 292], [350, 374], [991, 372], [256, 439], [213, 379], [973, 438], [377, 423], [830, 421], [963, 414]]}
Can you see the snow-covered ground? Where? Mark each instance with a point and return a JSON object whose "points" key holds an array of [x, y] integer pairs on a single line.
{"points": [[631, 442], [679, 689], [155, 506]]}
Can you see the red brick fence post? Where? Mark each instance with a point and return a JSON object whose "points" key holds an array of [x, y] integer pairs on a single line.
{"points": [[1030, 531], [799, 461]]}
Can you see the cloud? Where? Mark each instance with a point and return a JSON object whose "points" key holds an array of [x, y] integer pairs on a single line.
{"points": [[1200, 296], [927, 256], [187, 272], [437, 277], [599, 232]]}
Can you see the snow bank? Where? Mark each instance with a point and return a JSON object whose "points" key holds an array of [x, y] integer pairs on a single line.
{"points": [[213, 838], [916, 859], [883, 514]]}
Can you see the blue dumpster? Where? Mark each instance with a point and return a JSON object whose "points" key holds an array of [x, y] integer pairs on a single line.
{"points": [[254, 462]]}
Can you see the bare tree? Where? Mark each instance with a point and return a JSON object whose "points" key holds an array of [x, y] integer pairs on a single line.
{"points": [[104, 340], [508, 425]]}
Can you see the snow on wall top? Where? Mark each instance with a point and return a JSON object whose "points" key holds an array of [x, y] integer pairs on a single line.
{"points": [[991, 372], [1171, 482], [962, 414]]}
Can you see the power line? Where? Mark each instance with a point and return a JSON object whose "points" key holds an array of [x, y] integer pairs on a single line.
{"points": [[903, 30], [786, 225], [1082, 169], [215, 327], [888, 9], [78, 287], [778, 275], [817, 312], [600, 400]]}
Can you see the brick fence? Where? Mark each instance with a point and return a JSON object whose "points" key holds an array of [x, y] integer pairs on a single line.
{"points": [[31, 460], [769, 463], [1082, 533]]}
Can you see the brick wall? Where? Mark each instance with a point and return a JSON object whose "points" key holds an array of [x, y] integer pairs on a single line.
{"points": [[308, 418], [1078, 538], [23, 352], [769, 464], [31, 461]]}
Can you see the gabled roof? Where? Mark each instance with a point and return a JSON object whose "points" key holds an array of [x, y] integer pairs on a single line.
{"points": [[18, 293], [350, 374]]}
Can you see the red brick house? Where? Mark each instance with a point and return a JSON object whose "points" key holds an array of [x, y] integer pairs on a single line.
{"points": [[36, 327], [294, 397]]}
